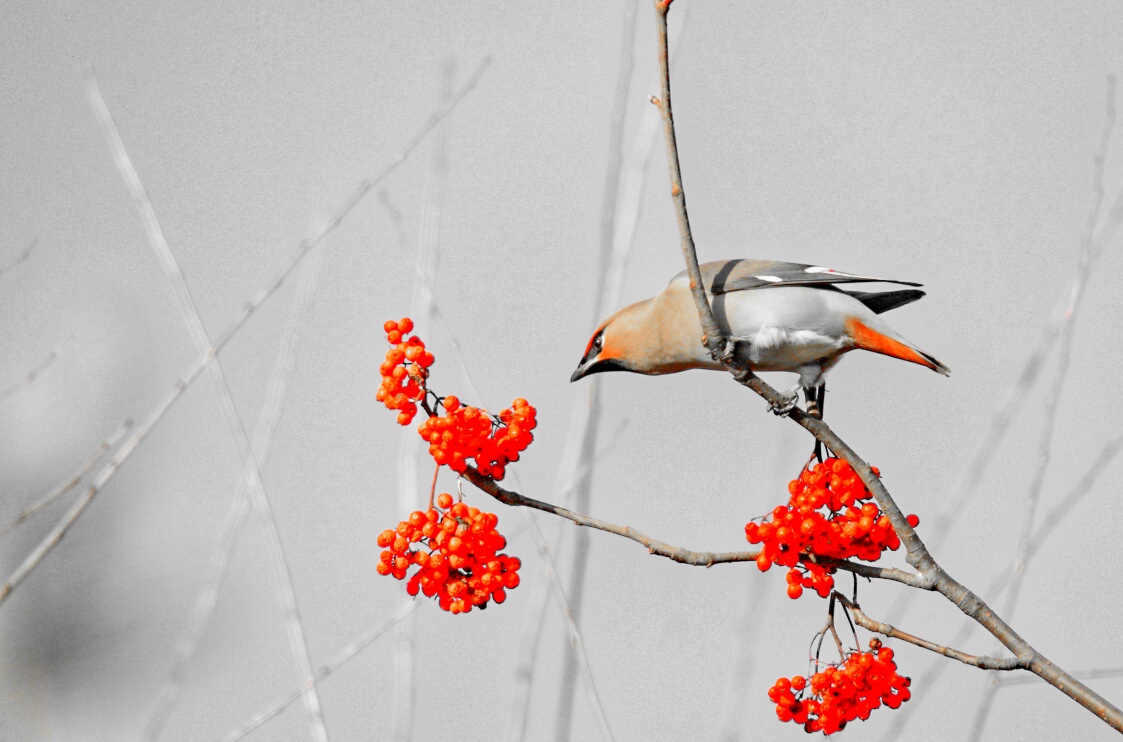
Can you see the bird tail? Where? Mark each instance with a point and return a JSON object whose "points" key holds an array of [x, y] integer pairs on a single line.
{"points": [[880, 302], [867, 338]]}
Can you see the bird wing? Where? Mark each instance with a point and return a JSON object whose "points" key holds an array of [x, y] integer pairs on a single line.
{"points": [[880, 302], [725, 276]]}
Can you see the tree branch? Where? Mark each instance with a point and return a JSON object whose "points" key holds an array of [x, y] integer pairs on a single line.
{"points": [[918, 555], [678, 553], [982, 662], [30, 376], [72, 481]]}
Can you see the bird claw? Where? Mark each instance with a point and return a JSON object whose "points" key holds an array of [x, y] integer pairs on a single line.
{"points": [[787, 403], [728, 351]]}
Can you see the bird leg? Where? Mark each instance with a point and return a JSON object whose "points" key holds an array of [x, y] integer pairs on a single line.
{"points": [[816, 401], [816, 398]]}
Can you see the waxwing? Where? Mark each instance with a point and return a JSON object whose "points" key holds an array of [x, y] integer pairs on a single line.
{"points": [[783, 316]]}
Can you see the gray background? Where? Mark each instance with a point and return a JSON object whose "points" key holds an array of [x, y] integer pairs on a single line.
{"points": [[950, 144]]}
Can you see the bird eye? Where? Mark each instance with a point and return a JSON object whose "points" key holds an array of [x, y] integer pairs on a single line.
{"points": [[598, 342]]}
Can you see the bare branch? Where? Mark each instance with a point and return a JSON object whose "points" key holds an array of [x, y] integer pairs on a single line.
{"points": [[24, 255], [422, 309], [720, 347], [677, 553], [232, 329], [1092, 248], [654, 546], [918, 556], [72, 481], [30, 376], [1052, 401], [571, 629], [1014, 680], [344, 656], [230, 534], [535, 612], [252, 474], [1002, 581], [984, 663], [359, 193], [586, 442], [425, 285]]}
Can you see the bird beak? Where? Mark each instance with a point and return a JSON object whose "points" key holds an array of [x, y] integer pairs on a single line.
{"points": [[596, 366]]}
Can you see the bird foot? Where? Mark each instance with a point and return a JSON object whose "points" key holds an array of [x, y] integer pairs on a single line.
{"points": [[727, 352], [787, 403]]}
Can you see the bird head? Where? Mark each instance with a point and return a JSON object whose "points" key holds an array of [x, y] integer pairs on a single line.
{"points": [[601, 354], [654, 336], [623, 342]]}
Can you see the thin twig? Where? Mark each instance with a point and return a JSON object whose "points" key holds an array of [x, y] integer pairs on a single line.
{"points": [[252, 474], [571, 629], [24, 255], [964, 489], [1013, 680], [675, 553], [207, 597], [30, 376], [1001, 582], [425, 283], [918, 555], [236, 324], [72, 481], [344, 656], [586, 443], [985, 663], [427, 254], [719, 346], [534, 613], [359, 193], [755, 597], [1052, 401]]}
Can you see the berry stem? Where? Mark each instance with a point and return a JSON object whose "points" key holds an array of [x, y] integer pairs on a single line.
{"points": [[433, 487]]}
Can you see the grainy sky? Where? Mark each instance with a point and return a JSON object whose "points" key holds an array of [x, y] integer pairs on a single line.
{"points": [[950, 144]]}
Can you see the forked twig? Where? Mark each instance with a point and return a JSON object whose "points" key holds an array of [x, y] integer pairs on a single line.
{"points": [[232, 329], [230, 534], [345, 655], [255, 484], [72, 481], [1001, 582], [1052, 399], [984, 663]]}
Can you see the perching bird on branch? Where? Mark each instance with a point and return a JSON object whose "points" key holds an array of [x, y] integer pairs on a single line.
{"points": [[783, 317]]}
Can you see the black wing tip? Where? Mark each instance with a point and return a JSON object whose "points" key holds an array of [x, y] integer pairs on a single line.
{"points": [[880, 302]]}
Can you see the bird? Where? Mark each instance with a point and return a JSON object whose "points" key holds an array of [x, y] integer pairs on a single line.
{"points": [[781, 316]]}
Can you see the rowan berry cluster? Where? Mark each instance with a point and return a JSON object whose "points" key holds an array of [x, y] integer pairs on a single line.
{"points": [[405, 370], [465, 432], [458, 558], [841, 693], [830, 514]]}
